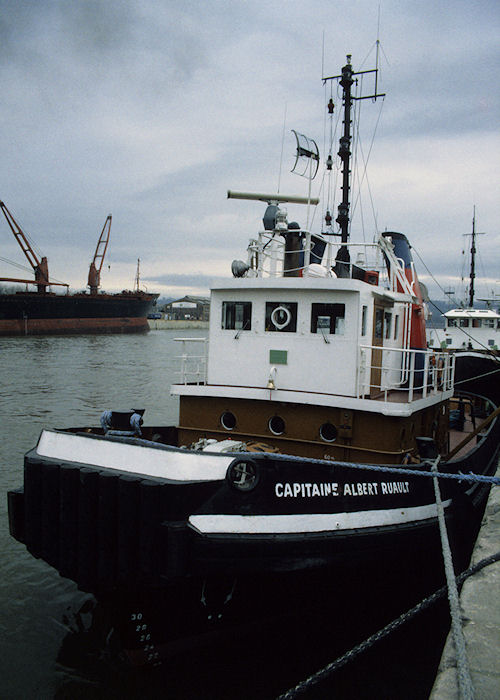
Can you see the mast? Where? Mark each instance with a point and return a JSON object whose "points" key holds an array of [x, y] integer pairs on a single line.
{"points": [[137, 282], [473, 251], [346, 80], [345, 151], [472, 260]]}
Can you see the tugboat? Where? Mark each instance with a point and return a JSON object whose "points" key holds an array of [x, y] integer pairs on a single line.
{"points": [[473, 335], [307, 428]]}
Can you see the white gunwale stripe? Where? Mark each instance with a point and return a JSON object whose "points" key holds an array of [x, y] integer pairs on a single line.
{"points": [[309, 522], [178, 465]]}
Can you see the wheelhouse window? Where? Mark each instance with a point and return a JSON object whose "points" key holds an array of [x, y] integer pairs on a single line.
{"points": [[476, 323], [452, 323], [388, 324], [328, 318], [364, 315], [464, 323], [396, 326], [281, 316], [379, 323], [237, 315]]}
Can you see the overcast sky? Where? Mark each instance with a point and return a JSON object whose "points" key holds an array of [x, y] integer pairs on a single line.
{"points": [[152, 110]]}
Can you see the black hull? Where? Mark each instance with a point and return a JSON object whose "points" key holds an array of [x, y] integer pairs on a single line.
{"points": [[27, 313], [136, 533], [478, 373], [184, 555]]}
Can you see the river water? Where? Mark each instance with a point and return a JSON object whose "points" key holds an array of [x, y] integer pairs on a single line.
{"points": [[68, 381], [58, 382]]}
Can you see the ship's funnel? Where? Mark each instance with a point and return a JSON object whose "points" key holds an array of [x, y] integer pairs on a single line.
{"points": [[402, 250]]}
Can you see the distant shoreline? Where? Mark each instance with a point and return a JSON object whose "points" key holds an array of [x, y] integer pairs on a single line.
{"points": [[164, 324]]}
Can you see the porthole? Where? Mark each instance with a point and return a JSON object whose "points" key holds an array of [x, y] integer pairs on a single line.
{"points": [[228, 420], [328, 432], [276, 425]]}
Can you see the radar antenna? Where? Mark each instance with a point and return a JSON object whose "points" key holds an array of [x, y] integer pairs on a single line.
{"points": [[306, 156], [306, 162]]}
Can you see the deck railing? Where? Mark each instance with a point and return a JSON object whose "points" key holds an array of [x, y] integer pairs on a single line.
{"points": [[384, 374], [413, 373], [193, 366]]}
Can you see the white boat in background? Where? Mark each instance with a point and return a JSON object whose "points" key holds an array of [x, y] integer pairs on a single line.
{"points": [[472, 329], [468, 327], [473, 335]]}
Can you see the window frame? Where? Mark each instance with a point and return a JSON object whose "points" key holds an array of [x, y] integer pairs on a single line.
{"points": [[234, 323], [291, 307], [334, 311]]}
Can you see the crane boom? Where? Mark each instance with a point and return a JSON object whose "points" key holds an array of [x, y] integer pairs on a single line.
{"points": [[40, 267], [94, 279]]}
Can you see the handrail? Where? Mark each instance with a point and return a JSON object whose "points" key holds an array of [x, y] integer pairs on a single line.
{"points": [[436, 373], [266, 255], [193, 367]]}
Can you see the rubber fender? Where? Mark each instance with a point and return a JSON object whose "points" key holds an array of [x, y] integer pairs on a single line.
{"points": [[17, 527], [87, 528], [107, 514], [151, 493], [69, 484], [128, 529], [177, 549], [50, 514], [33, 505]]}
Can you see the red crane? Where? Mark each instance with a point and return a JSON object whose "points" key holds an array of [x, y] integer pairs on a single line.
{"points": [[94, 280], [40, 267]]}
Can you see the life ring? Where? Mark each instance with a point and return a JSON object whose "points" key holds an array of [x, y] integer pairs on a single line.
{"points": [[274, 317]]}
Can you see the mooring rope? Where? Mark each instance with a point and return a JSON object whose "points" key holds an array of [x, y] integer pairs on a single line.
{"points": [[477, 376], [466, 690], [330, 668], [495, 480]]}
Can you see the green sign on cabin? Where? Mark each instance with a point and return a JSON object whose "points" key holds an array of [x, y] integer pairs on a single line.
{"points": [[278, 357]]}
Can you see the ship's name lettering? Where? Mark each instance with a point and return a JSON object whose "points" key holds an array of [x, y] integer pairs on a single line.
{"points": [[390, 487], [361, 488], [305, 490]]}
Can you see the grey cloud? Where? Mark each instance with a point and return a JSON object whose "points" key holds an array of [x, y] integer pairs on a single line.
{"points": [[152, 110]]}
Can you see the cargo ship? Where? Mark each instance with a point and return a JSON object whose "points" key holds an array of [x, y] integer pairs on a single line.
{"points": [[41, 311]]}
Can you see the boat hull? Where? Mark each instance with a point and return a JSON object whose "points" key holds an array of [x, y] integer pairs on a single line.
{"points": [[113, 527], [478, 373], [26, 313]]}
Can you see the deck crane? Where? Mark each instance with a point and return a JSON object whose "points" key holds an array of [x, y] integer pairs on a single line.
{"points": [[40, 267], [94, 279]]}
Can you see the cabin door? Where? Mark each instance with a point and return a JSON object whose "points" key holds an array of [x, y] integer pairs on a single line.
{"points": [[377, 343]]}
